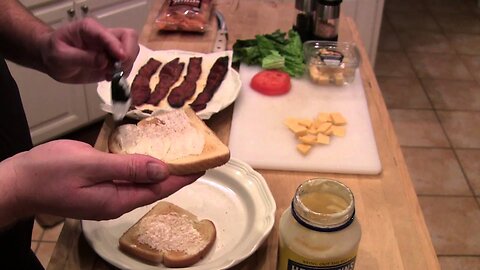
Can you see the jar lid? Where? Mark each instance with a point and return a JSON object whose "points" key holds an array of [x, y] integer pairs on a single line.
{"points": [[323, 205], [305, 5], [329, 2]]}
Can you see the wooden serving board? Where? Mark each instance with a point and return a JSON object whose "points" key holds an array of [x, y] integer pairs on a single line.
{"points": [[259, 137]]}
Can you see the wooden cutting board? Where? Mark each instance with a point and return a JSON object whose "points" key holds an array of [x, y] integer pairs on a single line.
{"points": [[259, 137]]}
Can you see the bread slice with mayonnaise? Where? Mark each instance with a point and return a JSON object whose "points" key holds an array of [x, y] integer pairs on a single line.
{"points": [[170, 235], [179, 138]]}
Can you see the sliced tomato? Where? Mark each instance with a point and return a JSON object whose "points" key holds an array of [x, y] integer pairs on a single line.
{"points": [[271, 82]]}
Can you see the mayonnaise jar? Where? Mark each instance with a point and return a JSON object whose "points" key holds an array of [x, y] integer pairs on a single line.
{"points": [[319, 230]]}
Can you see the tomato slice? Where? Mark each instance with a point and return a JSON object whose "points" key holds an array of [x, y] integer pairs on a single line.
{"points": [[271, 82]]}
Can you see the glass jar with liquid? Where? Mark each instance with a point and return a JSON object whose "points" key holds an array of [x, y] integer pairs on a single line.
{"points": [[319, 230]]}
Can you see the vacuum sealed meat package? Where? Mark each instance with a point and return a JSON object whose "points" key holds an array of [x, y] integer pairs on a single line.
{"points": [[185, 15]]}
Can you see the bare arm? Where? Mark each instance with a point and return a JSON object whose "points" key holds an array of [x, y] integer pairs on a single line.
{"points": [[78, 52], [21, 34]]}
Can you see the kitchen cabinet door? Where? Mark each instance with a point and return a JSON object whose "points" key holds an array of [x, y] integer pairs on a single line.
{"points": [[52, 108]]}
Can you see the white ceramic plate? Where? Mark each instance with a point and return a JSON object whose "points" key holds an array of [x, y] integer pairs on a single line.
{"points": [[225, 95], [234, 196]]}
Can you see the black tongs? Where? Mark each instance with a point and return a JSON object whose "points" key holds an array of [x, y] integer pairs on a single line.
{"points": [[120, 93]]}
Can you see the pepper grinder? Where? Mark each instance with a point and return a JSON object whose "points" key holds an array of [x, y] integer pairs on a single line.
{"points": [[327, 15], [305, 18]]}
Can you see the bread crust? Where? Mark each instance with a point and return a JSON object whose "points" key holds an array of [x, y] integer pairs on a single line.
{"points": [[215, 153], [129, 244]]}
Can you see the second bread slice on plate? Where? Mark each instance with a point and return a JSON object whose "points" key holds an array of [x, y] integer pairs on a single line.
{"points": [[170, 235]]}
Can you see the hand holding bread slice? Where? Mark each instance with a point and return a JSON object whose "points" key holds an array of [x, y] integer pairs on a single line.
{"points": [[170, 235], [179, 138]]}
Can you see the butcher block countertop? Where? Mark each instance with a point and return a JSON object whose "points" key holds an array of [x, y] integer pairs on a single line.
{"points": [[394, 234]]}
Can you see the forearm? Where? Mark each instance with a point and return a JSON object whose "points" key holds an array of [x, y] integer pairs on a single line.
{"points": [[21, 34]]}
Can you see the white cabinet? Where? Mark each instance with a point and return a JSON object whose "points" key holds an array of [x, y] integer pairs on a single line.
{"points": [[367, 15], [54, 108]]}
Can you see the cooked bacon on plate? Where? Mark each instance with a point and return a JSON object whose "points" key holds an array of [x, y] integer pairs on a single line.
{"points": [[169, 74], [149, 68], [186, 89], [214, 80], [140, 91]]}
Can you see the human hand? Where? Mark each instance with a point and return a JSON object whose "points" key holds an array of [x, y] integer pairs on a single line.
{"points": [[72, 179], [83, 51]]}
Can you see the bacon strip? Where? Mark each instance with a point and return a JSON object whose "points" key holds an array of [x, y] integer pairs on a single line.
{"points": [[149, 68], [214, 80], [168, 76], [186, 89], [140, 91]]}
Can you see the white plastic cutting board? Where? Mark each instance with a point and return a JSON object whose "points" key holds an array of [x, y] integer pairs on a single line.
{"points": [[259, 137]]}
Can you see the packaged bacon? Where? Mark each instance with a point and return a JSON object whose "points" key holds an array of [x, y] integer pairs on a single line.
{"points": [[185, 15]]}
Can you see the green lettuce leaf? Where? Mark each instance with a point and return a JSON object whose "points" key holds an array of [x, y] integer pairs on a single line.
{"points": [[277, 50]]}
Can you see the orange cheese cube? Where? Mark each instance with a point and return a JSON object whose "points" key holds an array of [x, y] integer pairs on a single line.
{"points": [[323, 139], [338, 131], [324, 117], [338, 119], [324, 127], [303, 148], [308, 139]]}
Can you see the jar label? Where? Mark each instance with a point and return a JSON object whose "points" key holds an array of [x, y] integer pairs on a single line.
{"points": [[289, 260]]}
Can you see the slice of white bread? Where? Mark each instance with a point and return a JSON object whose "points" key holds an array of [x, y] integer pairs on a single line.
{"points": [[213, 153], [183, 240]]}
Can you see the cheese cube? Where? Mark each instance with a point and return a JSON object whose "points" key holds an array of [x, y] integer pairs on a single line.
{"points": [[324, 127], [338, 131], [322, 79], [295, 127], [323, 139], [298, 130], [329, 131], [303, 148], [313, 130], [338, 78], [308, 139], [305, 122], [316, 123], [290, 121], [318, 76], [338, 119], [324, 117]]}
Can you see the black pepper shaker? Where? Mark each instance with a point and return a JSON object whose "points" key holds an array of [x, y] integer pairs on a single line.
{"points": [[305, 21], [327, 15]]}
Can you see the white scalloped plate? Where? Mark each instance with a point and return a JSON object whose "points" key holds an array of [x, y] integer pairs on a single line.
{"points": [[224, 96], [234, 196]]}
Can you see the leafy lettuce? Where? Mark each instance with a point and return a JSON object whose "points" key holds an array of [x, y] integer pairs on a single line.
{"points": [[272, 51]]}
